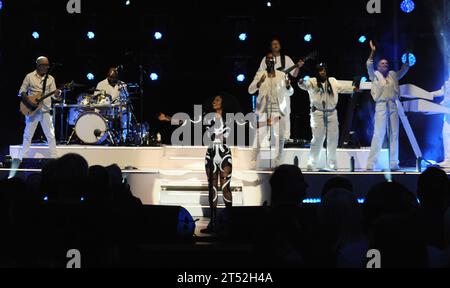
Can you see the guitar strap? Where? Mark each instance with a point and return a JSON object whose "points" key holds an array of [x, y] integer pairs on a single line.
{"points": [[283, 61], [44, 84]]}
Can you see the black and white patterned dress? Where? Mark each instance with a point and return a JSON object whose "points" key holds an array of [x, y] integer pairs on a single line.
{"points": [[218, 162]]}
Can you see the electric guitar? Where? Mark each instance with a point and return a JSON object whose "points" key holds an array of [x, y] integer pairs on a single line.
{"points": [[310, 56], [32, 103]]}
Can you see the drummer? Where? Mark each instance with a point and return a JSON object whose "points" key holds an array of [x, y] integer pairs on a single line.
{"points": [[112, 90], [113, 87]]}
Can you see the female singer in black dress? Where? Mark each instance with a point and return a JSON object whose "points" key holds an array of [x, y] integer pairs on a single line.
{"points": [[218, 159]]}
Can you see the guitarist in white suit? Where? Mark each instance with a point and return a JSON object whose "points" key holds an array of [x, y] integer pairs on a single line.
{"points": [[37, 82]]}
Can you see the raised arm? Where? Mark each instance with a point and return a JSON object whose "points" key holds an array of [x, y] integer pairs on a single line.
{"points": [[369, 63], [256, 83], [304, 85], [404, 69]]}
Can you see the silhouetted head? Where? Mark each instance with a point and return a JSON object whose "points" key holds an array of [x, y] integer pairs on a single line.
{"points": [[335, 183], [288, 186], [433, 190], [340, 217], [115, 175], [71, 177], [98, 184], [388, 198]]}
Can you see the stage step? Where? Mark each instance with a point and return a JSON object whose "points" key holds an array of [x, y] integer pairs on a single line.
{"points": [[193, 195]]}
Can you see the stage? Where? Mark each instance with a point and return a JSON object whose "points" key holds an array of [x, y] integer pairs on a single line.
{"points": [[174, 175]]}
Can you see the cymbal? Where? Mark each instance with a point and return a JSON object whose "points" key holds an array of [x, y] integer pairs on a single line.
{"points": [[92, 90], [73, 85]]}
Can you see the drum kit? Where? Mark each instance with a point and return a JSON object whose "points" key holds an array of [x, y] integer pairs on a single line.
{"points": [[96, 119]]}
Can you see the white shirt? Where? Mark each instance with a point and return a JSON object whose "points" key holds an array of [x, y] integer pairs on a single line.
{"points": [[33, 84], [385, 89], [116, 92], [272, 92], [288, 63], [317, 96]]}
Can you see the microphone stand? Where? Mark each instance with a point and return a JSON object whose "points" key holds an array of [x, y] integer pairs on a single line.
{"points": [[388, 134], [141, 91]]}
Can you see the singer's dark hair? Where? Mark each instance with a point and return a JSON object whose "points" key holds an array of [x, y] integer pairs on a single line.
{"points": [[275, 39], [229, 104], [319, 68]]}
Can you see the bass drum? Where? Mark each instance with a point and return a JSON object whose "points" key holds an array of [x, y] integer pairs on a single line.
{"points": [[91, 128]]}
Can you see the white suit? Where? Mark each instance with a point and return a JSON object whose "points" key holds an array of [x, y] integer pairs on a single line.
{"points": [[271, 103], [445, 91], [324, 114], [385, 93], [288, 63]]}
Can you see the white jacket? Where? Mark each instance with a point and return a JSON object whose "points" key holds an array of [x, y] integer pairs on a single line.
{"points": [[316, 97], [385, 89], [272, 88]]}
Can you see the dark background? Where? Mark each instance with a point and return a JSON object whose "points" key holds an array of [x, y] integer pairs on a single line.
{"points": [[200, 53]]}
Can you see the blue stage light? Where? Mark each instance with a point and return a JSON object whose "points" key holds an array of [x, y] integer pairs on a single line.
{"points": [[412, 59], [90, 76], [1, 5], [269, 4], [363, 79], [127, 3], [154, 76], [306, 78], [362, 39], [90, 35], [240, 78], [158, 35], [308, 38], [407, 6], [35, 35], [243, 36]]}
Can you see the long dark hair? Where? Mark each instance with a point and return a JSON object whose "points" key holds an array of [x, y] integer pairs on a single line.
{"points": [[229, 104], [319, 67]]}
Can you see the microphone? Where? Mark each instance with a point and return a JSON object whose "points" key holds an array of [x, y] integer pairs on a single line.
{"points": [[119, 68]]}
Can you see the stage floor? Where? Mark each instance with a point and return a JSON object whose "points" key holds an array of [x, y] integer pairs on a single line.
{"points": [[173, 175]]}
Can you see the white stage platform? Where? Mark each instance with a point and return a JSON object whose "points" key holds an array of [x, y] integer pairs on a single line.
{"points": [[173, 175], [192, 157]]}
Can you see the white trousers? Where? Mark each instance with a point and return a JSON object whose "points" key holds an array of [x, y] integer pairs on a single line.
{"points": [[31, 123], [383, 112], [446, 138], [272, 137], [319, 133], [287, 126]]}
